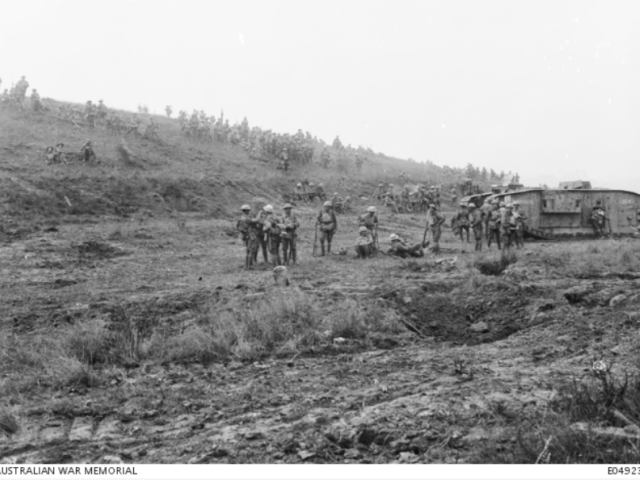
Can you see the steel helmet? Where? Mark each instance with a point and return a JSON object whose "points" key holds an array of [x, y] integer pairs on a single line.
{"points": [[371, 209], [327, 204], [245, 207], [287, 206], [394, 237], [509, 205], [502, 204], [516, 203], [432, 205], [471, 205], [268, 208], [299, 184], [462, 204], [363, 229]]}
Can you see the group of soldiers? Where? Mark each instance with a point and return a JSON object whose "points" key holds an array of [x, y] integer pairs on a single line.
{"points": [[499, 222], [58, 155], [275, 234], [17, 94], [408, 199], [269, 232], [306, 191]]}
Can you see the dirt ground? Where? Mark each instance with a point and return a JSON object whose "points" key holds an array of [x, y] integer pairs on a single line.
{"points": [[473, 353]]}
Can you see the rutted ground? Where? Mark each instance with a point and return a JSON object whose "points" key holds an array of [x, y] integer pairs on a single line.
{"points": [[473, 352]]}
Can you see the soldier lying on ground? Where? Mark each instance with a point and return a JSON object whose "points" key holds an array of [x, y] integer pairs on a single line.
{"points": [[399, 248]]}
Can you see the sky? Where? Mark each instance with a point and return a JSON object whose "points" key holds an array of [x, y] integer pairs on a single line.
{"points": [[548, 89]]}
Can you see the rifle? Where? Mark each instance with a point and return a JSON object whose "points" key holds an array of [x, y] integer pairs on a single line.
{"points": [[376, 244], [315, 241], [426, 229]]}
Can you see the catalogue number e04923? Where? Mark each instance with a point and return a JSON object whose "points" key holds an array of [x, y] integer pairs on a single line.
{"points": [[623, 470]]}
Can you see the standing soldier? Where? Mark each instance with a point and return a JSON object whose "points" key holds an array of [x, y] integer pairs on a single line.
{"points": [[284, 157], [290, 225], [101, 113], [507, 222], [364, 245], [168, 110], [598, 220], [475, 219], [493, 225], [86, 152], [273, 227], [325, 158], [454, 196], [521, 218], [260, 219], [337, 203], [328, 226], [247, 228], [435, 220], [90, 114], [36, 104], [461, 221], [299, 192], [370, 221], [359, 161]]}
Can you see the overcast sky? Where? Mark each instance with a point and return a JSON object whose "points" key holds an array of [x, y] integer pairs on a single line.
{"points": [[550, 89]]}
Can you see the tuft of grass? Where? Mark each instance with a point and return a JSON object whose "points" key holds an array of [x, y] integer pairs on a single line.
{"points": [[602, 401], [9, 423]]}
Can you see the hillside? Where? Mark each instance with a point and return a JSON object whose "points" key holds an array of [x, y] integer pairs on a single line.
{"points": [[130, 331], [172, 174]]}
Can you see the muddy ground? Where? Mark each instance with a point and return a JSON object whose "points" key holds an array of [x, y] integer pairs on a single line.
{"points": [[475, 354]]}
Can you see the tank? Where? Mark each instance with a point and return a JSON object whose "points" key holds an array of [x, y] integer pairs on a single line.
{"points": [[566, 213]]}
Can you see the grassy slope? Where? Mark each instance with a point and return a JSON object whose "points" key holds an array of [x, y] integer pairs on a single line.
{"points": [[167, 176]]}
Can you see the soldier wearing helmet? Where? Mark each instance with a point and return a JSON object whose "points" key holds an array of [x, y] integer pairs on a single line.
{"points": [[364, 245], [399, 248], [520, 219], [289, 226], [476, 222], [299, 192], [338, 203], [319, 192], [272, 226], [493, 224], [249, 231], [263, 236], [370, 221], [328, 224], [507, 226], [460, 222], [435, 220]]}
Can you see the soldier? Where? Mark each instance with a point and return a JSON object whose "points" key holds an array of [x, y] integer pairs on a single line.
{"points": [[364, 245], [273, 228], [359, 161], [36, 104], [399, 248], [168, 110], [475, 219], [461, 222], [337, 203], [59, 155], [507, 223], [90, 114], [133, 126], [49, 155], [379, 192], [521, 219], [86, 152], [289, 226], [435, 220], [598, 220], [454, 196], [101, 111], [319, 191], [370, 221], [152, 129], [299, 192], [260, 219], [493, 225], [328, 226], [249, 234], [284, 159]]}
